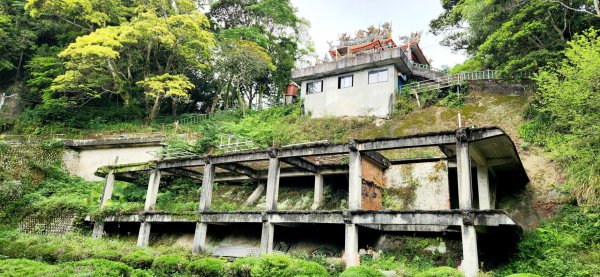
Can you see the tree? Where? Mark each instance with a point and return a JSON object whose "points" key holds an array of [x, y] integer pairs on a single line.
{"points": [[515, 36], [163, 86], [568, 108]]}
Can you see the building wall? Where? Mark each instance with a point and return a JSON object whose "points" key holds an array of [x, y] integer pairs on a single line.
{"points": [[85, 162], [420, 186], [362, 99]]}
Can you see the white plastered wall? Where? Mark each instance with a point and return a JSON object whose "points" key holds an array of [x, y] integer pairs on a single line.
{"points": [[362, 99]]}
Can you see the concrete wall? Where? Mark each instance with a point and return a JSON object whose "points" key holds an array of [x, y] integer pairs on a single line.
{"points": [[85, 162], [428, 181], [371, 189], [362, 99]]}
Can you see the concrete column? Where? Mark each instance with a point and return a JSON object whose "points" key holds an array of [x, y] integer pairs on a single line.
{"points": [[199, 243], [355, 181], [98, 230], [207, 187], [351, 245], [266, 238], [152, 192], [144, 235], [463, 170], [483, 187], [318, 197], [273, 183], [470, 262], [109, 183]]}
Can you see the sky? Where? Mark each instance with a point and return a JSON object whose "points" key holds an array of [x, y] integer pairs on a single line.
{"points": [[329, 18]]}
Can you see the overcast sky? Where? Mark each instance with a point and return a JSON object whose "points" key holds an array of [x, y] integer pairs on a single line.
{"points": [[328, 18]]}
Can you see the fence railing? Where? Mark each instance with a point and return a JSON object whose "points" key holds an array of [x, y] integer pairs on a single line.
{"points": [[452, 79], [234, 143]]}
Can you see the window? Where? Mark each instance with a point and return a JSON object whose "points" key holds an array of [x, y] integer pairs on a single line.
{"points": [[345, 81], [314, 87], [378, 76]]}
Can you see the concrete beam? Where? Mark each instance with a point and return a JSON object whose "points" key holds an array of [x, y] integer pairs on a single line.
{"points": [[207, 187], [317, 150], [191, 162], [184, 172], [240, 157], [284, 172], [423, 140], [301, 163], [152, 192], [377, 158], [228, 217], [417, 160], [241, 169]]}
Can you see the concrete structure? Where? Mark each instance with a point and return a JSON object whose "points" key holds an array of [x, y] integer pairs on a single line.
{"points": [[83, 157], [467, 152]]}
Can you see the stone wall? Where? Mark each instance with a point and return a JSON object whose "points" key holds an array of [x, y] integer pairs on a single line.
{"points": [[55, 225]]}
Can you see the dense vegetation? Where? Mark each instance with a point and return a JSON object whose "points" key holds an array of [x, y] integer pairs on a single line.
{"points": [[122, 66], [144, 58]]}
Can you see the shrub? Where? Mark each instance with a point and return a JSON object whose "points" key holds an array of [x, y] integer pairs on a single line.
{"points": [[95, 267], [442, 271], [241, 267], [23, 267], [300, 268], [141, 258], [361, 271], [524, 275], [107, 254], [208, 267], [272, 265], [167, 265]]}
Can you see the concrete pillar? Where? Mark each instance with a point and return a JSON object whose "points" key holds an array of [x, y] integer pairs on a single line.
{"points": [[266, 238], [351, 245], [199, 243], [470, 262], [144, 235], [273, 183], [98, 230], [483, 187], [152, 192], [207, 187], [355, 181], [109, 183], [463, 170], [318, 197]]}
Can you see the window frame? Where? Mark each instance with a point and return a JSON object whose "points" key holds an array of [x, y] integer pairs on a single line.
{"points": [[308, 84], [340, 78], [378, 72]]}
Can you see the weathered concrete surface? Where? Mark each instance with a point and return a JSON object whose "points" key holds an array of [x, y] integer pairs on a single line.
{"points": [[420, 186], [362, 99], [498, 87], [394, 56], [83, 161]]}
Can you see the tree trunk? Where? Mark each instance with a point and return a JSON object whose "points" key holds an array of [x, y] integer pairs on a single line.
{"points": [[155, 109], [240, 98]]}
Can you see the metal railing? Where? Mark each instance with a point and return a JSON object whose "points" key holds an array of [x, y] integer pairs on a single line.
{"points": [[425, 67], [452, 79], [234, 143]]}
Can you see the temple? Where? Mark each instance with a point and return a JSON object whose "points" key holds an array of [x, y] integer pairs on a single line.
{"points": [[455, 192], [363, 74]]}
